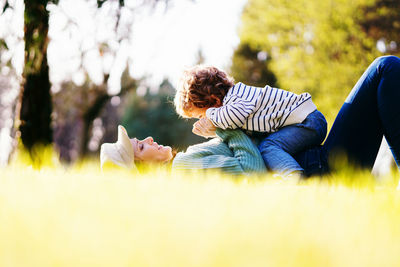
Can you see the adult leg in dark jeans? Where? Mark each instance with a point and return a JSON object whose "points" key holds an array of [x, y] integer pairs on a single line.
{"points": [[371, 110]]}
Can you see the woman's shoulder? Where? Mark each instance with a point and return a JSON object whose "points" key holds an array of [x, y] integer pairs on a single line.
{"points": [[210, 154], [208, 147]]}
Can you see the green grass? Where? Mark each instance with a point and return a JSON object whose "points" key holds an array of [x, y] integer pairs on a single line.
{"points": [[82, 217]]}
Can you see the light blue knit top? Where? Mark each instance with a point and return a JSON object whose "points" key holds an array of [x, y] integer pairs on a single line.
{"points": [[232, 152]]}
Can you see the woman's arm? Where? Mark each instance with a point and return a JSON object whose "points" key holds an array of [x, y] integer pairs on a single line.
{"points": [[234, 154], [243, 150]]}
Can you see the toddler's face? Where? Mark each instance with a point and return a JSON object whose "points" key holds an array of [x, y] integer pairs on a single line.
{"points": [[197, 113]]}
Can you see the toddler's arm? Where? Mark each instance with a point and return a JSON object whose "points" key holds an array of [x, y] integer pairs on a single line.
{"points": [[232, 115], [204, 127]]}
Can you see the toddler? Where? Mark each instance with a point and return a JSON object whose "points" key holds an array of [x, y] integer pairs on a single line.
{"points": [[287, 123]]}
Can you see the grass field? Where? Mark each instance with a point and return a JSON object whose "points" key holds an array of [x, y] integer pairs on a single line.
{"points": [[82, 217]]}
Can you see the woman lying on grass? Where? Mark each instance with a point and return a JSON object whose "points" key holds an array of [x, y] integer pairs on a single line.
{"points": [[370, 111], [233, 152]]}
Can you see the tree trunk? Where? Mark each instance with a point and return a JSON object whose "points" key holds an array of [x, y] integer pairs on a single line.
{"points": [[34, 110], [91, 113]]}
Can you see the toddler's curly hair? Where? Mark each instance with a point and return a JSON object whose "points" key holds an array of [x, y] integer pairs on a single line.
{"points": [[201, 87]]}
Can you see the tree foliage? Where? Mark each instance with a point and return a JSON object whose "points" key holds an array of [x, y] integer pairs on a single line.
{"points": [[75, 110], [319, 46], [34, 110], [154, 115], [252, 66]]}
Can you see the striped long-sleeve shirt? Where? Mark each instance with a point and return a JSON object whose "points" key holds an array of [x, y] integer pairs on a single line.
{"points": [[260, 109]]}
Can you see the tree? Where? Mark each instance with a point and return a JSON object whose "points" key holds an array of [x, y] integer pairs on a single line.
{"points": [[34, 108], [77, 107], [251, 66], [318, 46], [154, 115], [381, 21]]}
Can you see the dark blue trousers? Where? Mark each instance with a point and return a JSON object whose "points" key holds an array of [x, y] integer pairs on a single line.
{"points": [[371, 110]]}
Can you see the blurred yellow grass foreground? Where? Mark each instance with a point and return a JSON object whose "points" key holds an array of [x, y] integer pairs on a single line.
{"points": [[82, 217]]}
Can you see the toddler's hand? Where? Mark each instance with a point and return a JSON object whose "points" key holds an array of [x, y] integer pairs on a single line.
{"points": [[204, 127]]}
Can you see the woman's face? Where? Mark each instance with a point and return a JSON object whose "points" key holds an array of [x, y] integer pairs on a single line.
{"points": [[149, 151]]}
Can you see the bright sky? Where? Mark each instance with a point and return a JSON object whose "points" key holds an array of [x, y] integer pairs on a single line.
{"points": [[165, 43], [160, 45]]}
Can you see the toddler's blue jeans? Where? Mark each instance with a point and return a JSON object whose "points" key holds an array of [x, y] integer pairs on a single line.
{"points": [[278, 148]]}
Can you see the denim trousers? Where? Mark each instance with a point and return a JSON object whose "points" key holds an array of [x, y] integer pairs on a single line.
{"points": [[371, 111], [277, 149]]}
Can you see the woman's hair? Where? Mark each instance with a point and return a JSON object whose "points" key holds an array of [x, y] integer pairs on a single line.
{"points": [[201, 87]]}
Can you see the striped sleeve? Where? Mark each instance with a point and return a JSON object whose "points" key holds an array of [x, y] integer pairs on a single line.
{"points": [[231, 115]]}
